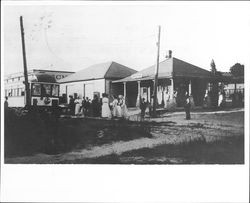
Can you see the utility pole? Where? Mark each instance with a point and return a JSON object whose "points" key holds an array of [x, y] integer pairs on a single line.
{"points": [[156, 73], [26, 82]]}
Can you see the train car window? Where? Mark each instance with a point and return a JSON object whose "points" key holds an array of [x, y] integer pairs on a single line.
{"points": [[10, 92], [46, 90], [55, 90], [36, 89], [20, 92], [14, 93]]}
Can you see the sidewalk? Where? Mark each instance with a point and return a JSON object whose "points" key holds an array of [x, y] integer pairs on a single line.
{"points": [[134, 113]]}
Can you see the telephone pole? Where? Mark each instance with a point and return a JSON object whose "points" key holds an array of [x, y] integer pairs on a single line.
{"points": [[156, 73], [26, 82]]}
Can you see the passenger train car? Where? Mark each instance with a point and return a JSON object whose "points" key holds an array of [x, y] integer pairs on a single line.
{"points": [[43, 86]]}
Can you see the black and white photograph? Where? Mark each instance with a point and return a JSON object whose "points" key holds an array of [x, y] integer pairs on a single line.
{"points": [[133, 84]]}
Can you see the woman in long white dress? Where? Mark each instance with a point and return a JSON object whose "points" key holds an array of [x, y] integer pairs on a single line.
{"points": [[78, 103], [167, 98], [106, 113], [124, 110], [115, 111], [220, 99]]}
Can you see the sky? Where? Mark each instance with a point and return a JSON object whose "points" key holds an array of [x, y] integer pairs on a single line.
{"points": [[76, 35]]}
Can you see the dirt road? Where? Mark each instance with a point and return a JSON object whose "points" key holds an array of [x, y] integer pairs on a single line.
{"points": [[170, 129]]}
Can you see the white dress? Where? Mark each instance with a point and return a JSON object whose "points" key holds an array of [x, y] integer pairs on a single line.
{"points": [[220, 100], [124, 110], [167, 98], [106, 113], [116, 112], [78, 103]]}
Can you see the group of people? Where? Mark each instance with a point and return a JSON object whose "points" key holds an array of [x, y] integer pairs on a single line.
{"points": [[170, 103], [98, 107]]}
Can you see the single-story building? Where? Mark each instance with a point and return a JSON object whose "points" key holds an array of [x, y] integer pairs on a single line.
{"points": [[95, 79], [231, 84], [174, 75]]}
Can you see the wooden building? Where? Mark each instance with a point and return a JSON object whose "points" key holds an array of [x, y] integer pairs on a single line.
{"points": [[95, 79], [174, 75]]}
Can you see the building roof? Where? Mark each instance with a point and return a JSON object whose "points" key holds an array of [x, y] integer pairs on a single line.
{"points": [[34, 71], [171, 67], [108, 70], [229, 78]]}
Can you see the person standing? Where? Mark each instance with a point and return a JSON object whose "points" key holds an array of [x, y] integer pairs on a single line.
{"points": [[106, 113], [6, 104], [96, 106], [83, 106], [118, 107], [187, 106], [87, 107], [206, 100], [143, 107], [6, 109], [124, 110], [71, 105], [220, 99], [167, 103], [78, 103], [115, 111]]}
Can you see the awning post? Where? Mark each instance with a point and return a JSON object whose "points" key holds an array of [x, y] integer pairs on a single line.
{"points": [[124, 89], [138, 100]]}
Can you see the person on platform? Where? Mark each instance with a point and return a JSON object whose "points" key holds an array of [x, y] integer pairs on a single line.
{"points": [[167, 102], [220, 99], [122, 104], [78, 104], [6, 109], [71, 105], [106, 113], [115, 111], [96, 106], [6, 104], [143, 107], [88, 107], [207, 100], [83, 106], [187, 106]]}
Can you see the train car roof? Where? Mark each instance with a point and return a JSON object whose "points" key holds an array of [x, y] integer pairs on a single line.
{"points": [[38, 77]]}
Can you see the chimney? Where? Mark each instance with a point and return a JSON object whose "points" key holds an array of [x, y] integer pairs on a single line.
{"points": [[169, 55]]}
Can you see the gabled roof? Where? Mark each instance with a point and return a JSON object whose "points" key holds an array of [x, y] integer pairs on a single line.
{"points": [[108, 70], [182, 68], [171, 67]]}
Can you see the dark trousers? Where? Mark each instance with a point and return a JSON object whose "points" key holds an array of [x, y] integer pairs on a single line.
{"points": [[187, 110]]}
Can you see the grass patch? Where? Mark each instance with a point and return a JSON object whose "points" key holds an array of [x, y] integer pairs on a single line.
{"points": [[45, 133], [229, 150]]}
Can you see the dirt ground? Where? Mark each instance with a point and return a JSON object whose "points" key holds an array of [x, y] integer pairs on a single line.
{"points": [[208, 138]]}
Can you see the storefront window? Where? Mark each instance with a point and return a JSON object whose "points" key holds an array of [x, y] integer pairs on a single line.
{"points": [[36, 89], [55, 90]]}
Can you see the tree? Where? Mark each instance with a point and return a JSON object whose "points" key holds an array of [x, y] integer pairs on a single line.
{"points": [[237, 70], [215, 86], [213, 67]]}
